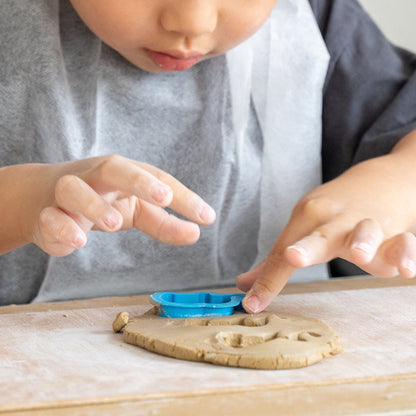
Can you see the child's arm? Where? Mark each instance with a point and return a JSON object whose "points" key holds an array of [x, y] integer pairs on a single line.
{"points": [[54, 206], [366, 216]]}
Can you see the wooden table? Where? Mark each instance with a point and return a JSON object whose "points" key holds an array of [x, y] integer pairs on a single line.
{"points": [[30, 386]]}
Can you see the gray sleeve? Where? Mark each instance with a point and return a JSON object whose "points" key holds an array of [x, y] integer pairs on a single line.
{"points": [[370, 89]]}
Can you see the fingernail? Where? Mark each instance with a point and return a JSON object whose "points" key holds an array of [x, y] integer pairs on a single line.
{"points": [[162, 194], [112, 220], [252, 302], [299, 249], [207, 214], [362, 246], [79, 241], [302, 252], [410, 266]]}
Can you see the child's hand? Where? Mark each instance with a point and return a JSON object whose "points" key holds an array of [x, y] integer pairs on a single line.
{"points": [[365, 216], [112, 193]]}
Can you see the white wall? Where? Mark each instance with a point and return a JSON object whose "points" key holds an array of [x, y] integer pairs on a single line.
{"points": [[397, 19]]}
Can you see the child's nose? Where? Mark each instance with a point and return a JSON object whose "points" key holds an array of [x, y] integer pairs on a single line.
{"points": [[190, 17]]}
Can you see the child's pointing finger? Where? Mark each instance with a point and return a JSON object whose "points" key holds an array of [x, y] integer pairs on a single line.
{"points": [[273, 273]]}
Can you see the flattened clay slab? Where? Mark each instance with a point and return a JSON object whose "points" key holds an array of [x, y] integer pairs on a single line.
{"points": [[263, 341]]}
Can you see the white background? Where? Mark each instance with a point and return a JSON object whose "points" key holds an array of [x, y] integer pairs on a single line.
{"points": [[397, 19]]}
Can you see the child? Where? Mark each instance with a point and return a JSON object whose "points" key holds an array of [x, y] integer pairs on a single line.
{"points": [[112, 111]]}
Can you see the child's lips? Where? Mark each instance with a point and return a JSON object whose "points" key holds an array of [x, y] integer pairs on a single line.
{"points": [[174, 60]]}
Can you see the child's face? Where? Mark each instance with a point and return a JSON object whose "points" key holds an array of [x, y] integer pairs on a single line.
{"points": [[172, 35]]}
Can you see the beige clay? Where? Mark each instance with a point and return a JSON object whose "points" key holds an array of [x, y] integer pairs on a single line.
{"points": [[263, 341], [121, 321]]}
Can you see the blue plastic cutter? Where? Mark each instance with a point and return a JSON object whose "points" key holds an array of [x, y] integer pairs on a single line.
{"points": [[196, 305]]}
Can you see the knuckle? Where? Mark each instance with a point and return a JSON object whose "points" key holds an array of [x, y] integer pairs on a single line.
{"points": [[338, 226], [152, 170], [400, 241], [165, 177], [160, 231], [317, 207], [404, 243], [275, 258], [45, 219], [105, 168], [369, 229], [265, 286], [64, 232], [137, 211], [64, 185], [371, 226], [156, 172], [371, 223], [112, 159], [322, 232], [94, 207], [141, 180], [136, 179], [312, 207]]}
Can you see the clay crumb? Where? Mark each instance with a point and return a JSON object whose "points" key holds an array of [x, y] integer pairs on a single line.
{"points": [[121, 321]]}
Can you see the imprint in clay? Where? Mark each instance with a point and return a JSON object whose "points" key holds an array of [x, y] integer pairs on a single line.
{"points": [[264, 341]]}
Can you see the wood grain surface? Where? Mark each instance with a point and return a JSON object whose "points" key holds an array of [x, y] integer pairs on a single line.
{"points": [[63, 358]]}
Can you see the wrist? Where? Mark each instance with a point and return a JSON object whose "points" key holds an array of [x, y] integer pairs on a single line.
{"points": [[24, 188]]}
